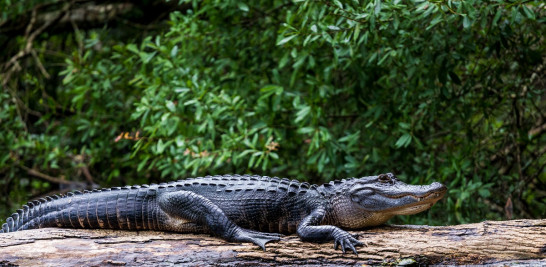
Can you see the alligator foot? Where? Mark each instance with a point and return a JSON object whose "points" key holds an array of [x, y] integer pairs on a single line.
{"points": [[258, 238], [347, 241]]}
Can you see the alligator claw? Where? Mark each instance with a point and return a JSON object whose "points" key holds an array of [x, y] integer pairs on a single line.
{"points": [[258, 238], [347, 241]]}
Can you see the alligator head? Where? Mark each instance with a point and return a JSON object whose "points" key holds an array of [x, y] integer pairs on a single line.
{"points": [[370, 201]]}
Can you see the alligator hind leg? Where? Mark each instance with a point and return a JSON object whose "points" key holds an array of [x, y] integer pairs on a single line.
{"points": [[187, 206]]}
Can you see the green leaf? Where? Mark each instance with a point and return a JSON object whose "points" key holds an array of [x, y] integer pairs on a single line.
{"points": [[286, 40], [484, 192], [350, 138], [302, 113], [377, 7], [306, 130], [174, 51], [273, 155], [161, 146], [251, 161], [356, 32], [404, 125], [436, 20], [242, 6], [142, 163], [497, 16], [170, 106], [133, 48], [528, 12], [466, 22], [403, 141]]}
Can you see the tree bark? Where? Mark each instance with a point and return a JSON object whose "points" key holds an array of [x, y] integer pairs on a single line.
{"points": [[489, 242]]}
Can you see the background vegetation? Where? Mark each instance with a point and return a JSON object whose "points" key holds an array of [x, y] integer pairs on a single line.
{"points": [[109, 93]]}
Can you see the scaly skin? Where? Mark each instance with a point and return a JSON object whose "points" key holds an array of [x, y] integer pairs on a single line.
{"points": [[237, 208]]}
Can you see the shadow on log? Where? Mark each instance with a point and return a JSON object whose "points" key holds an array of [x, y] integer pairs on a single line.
{"points": [[502, 242]]}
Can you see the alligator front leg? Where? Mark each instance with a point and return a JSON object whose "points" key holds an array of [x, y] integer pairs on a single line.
{"points": [[189, 206], [309, 230]]}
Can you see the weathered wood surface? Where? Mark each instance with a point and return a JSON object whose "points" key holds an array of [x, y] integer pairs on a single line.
{"points": [[513, 242]]}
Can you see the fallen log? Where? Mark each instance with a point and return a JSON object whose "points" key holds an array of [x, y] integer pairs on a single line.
{"points": [[489, 242]]}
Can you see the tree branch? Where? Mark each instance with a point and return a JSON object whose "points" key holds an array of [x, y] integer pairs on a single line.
{"points": [[44, 176], [92, 13], [12, 65], [488, 242]]}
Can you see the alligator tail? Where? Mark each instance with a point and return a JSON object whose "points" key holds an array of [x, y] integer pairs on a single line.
{"points": [[34, 214], [127, 208]]}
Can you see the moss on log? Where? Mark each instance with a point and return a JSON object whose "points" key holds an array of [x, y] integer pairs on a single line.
{"points": [[489, 242]]}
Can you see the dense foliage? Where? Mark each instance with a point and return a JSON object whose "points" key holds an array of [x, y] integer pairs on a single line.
{"points": [[448, 91]]}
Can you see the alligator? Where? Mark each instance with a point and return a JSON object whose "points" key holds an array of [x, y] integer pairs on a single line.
{"points": [[237, 208]]}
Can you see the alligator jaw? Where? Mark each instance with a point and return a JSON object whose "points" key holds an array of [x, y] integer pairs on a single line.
{"points": [[436, 195], [418, 202], [409, 210]]}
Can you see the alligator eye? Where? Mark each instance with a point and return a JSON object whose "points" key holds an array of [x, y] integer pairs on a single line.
{"points": [[383, 178]]}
